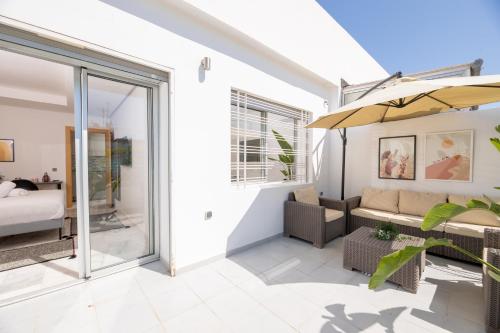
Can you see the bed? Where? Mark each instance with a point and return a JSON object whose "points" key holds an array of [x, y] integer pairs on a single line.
{"points": [[38, 211]]}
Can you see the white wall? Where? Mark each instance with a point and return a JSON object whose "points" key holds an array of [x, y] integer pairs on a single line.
{"points": [[39, 142], [302, 31], [200, 116], [362, 153]]}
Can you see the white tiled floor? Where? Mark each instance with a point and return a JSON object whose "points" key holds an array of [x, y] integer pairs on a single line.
{"points": [[108, 248], [282, 286]]}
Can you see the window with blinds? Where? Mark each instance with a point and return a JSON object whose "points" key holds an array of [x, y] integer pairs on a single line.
{"points": [[268, 141]]}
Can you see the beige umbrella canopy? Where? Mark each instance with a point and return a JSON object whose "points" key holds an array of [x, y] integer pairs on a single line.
{"points": [[409, 98]]}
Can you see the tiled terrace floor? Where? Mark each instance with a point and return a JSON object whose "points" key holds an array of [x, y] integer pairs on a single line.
{"points": [[282, 286]]}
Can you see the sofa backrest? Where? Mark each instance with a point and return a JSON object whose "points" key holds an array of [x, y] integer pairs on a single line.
{"points": [[418, 203], [375, 198], [476, 216]]}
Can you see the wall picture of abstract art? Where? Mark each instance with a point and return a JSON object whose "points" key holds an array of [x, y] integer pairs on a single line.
{"points": [[448, 156], [397, 157]]}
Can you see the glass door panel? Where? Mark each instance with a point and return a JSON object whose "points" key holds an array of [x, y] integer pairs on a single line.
{"points": [[119, 171]]}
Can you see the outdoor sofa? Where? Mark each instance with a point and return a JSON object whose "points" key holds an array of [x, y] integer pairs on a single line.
{"points": [[312, 218], [406, 209], [476, 231]]}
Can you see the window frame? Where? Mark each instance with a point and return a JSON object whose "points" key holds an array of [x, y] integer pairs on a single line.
{"points": [[239, 99]]}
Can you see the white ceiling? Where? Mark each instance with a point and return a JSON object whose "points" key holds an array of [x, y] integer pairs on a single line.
{"points": [[39, 84], [35, 83]]}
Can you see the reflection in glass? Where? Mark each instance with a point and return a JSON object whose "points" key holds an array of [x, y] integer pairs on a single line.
{"points": [[118, 166]]}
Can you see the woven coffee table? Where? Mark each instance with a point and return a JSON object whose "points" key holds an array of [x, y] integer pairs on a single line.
{"points": [[362, 252]]}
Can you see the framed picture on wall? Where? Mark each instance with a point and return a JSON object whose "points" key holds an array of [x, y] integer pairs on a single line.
{"points": [[6, 150], [448, 155], [396, 157]]}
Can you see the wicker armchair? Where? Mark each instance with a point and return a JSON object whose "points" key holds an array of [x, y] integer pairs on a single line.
{"points": [[490, 286], [308, 222]]}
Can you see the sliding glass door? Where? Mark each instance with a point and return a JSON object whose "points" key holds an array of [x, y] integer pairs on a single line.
{"points": [[95, 134], [118, 169]]}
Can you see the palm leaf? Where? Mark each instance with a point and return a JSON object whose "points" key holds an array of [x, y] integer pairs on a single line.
{"points": [[440, 213], [496, 143], [391, 263]]}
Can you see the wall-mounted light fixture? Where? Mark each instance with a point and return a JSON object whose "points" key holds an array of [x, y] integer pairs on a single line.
{"points": [[206, 63]]}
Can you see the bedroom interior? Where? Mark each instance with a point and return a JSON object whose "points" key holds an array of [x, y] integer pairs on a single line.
{"points": [[38, 183]]}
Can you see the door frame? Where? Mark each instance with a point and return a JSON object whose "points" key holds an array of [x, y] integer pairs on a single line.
{"points": [[70, 140], [153, 167], [40, 43]]}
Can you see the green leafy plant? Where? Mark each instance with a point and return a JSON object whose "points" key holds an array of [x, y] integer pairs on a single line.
{"points": [[386, 231], [286, 158], [440, 213]]}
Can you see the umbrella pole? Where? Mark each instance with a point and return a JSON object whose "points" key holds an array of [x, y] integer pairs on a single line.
{"points": [[343, 135], [344, 144]]}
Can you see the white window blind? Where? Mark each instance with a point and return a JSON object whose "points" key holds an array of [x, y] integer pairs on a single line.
{"points": [[268, 141]]}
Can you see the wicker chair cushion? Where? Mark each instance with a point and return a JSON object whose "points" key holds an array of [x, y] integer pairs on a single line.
{"points": [[332, 214], [307, 195], [478, 216], [418, 203], [466, 229], [386, 200], [373, 214]]}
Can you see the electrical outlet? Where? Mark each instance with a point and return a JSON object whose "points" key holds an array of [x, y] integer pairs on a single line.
{"points": [[208, 215]]}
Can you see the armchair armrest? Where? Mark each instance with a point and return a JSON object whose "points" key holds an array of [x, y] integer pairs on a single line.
{"points": [[333, 204], [303, 212], [305, 221], [492, 238], [353, 203]]}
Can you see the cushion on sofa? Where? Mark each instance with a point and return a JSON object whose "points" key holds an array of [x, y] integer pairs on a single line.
{"points": [[466, 229], [307, 195], [373, 214], [412, 221], [476, 216], [380, 199], [418, 203], [332, 214]]}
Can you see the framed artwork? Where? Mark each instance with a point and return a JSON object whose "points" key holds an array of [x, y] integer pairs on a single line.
{"points": [[6, 150], [448, 155], [396, 157]]}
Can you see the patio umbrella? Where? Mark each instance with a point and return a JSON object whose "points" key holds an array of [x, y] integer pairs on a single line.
{"points": [[409, 98]]}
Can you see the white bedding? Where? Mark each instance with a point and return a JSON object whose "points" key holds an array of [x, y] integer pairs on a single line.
{"points": [[37, 206]]}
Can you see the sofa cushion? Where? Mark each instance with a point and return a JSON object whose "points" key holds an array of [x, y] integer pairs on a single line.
{"points": [[412, 221], [380, 199], [332, 214], [418, 203], [466, 229], [373, 214], [475, 216], [307, 195]]}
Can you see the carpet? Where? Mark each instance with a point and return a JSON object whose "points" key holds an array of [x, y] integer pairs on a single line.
{"points": [[35, 247]]}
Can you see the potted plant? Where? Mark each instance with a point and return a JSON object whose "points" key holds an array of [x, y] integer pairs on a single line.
{"points": [[386, 231]]}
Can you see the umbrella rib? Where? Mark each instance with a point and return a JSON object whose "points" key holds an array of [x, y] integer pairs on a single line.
{"points": [[416, 98], [346, 117], [483, 86], [438, 100], [382, 119]]}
